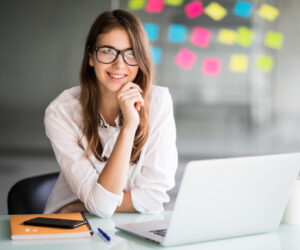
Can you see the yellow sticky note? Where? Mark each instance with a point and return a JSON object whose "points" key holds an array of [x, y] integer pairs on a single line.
{"points": [[273, 40], [174, 2], [215, 11], [244, 36], [136, 4], [265, 63], [238, 63], [227, 36], [268, 12]]}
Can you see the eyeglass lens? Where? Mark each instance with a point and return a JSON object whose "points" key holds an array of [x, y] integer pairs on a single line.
{"points": [[108, 55]]}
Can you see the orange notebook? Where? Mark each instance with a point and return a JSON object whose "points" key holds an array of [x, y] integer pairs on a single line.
{"points": [[19, 231]]}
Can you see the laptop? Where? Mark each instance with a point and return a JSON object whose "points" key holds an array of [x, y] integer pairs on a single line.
{"points": [[225, 198]]}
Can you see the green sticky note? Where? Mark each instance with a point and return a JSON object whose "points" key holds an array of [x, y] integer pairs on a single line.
{"points": [[244, 37], [136, 4], [174, 2], [265, 63], [274, 40]]}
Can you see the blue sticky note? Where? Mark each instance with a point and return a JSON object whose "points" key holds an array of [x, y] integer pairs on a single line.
{"points": [[156, 55], [152, 31], [177, 33], [243, 9]]}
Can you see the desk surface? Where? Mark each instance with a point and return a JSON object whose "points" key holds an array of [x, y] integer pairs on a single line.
{"points": [[286, 238]]}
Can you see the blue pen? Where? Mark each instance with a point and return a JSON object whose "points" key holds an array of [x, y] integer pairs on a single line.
{"points": [[105, 235]]}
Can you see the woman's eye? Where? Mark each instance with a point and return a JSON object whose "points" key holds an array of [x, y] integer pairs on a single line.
{"points": [[107, 51], [129, 53]]}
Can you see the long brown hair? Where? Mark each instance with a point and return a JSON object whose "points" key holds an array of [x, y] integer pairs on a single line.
{"points": [[90, 92]]}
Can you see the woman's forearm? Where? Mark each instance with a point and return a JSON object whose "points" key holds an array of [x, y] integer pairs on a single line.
{"points": [[78, 206], [114, 174]]}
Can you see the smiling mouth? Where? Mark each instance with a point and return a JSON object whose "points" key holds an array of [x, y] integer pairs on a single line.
{"points": [[117, 76]]}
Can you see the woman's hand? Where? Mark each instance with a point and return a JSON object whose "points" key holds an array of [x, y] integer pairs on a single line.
{"points": [[130, 99]]}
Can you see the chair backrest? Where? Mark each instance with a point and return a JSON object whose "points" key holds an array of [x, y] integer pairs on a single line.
{"points": [[29, 196]]}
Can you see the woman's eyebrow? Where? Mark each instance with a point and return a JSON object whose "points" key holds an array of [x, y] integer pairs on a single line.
{"points": [[109, 46]]}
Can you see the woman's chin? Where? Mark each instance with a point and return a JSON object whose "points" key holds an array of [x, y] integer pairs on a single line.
{"points": [[112, 86]]}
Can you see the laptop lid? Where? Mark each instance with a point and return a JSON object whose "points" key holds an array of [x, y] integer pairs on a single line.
{"points": [[232, 197]]}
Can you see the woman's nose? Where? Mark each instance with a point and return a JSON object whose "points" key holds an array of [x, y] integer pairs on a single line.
{"points": [[119, 61]]}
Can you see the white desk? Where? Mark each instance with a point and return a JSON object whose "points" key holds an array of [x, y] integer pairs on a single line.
{"points": [[286, 238]]}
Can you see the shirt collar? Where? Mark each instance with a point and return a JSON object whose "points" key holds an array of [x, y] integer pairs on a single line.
{"points": [[103, 124]]}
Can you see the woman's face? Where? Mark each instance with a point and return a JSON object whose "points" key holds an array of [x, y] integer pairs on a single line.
{"points": [[111, 77]]}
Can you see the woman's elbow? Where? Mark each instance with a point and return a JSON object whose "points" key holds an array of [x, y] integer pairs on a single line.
{"points": [[102, 214]]}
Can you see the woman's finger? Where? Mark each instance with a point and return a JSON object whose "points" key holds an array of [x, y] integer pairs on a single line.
{"points": [[128, 92], [133, 97]]}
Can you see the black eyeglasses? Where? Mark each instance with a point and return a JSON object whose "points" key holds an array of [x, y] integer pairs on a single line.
{"points": [[107, 55]]}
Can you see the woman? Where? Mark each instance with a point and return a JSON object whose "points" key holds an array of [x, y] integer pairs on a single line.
{"points": [[114, 136]]}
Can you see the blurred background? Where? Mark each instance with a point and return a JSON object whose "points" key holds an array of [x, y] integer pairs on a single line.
{"points": [[232, 68]]}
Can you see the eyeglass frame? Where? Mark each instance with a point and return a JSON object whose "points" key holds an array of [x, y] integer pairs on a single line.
{"points": [[118, 51]]}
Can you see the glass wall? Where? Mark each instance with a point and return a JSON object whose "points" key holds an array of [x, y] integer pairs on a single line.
{"points": [[221, 61]]}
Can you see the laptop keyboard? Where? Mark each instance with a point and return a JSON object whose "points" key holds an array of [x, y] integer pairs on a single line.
{"points": [[160, 232]]}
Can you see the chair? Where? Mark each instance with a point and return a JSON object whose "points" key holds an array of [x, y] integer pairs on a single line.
{"points": [[29, 196]]}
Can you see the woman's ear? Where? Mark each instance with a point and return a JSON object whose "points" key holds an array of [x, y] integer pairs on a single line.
{"points": [[91, 60]]}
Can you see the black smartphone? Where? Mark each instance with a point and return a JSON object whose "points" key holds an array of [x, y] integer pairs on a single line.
{"points": [[54, 222]]}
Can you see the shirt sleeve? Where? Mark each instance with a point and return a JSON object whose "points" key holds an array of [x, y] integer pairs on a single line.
{"points": [[78, 170], [160, 160]]}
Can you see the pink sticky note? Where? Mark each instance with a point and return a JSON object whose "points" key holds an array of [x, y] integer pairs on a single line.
{"points": [[194, 9], [211, 66], [154, 6], [185, 58], [201, 37]]}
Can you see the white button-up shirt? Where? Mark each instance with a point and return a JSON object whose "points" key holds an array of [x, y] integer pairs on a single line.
{"points": [[148, 180]]}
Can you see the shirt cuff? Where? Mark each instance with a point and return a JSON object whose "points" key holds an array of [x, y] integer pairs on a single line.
{"points": [[102, 202]]}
